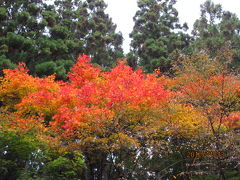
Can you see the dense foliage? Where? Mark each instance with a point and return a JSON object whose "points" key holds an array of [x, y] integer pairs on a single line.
{"points": [[50, 37], [125, 123]]}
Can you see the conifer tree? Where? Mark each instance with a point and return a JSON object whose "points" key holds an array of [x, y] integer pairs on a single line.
{"points": [[50, 37], [20, 29], [156, 34], [216, 29], [102, 42]]}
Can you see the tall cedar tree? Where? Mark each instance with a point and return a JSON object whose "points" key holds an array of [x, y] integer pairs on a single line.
{"points": [[155, 36], [102, 41], [48, 38], [215, 28]]}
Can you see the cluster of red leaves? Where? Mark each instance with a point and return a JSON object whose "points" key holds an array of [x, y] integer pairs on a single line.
{"points": [[233, 120], [211, 89], [83, 72], [95, 103], [216, 96], [92, 98]]}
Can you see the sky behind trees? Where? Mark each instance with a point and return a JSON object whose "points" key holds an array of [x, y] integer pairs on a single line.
{"points": [[122, 12]]}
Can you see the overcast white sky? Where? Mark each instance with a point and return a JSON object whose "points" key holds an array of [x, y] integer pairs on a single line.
{"points": [[122, 12]]}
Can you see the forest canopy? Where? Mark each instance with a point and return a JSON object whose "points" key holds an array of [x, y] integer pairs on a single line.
{"points": [[74, 106]]}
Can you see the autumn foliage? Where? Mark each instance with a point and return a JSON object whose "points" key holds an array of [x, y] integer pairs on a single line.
{"points": [[93, 100], [121, 108]]}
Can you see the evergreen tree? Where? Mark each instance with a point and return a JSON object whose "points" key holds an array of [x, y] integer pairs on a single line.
{"points": [[21, 26], [154, 36], [49, 38], [215, 29], [102, 42], [64, 40], [90, 30]]}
